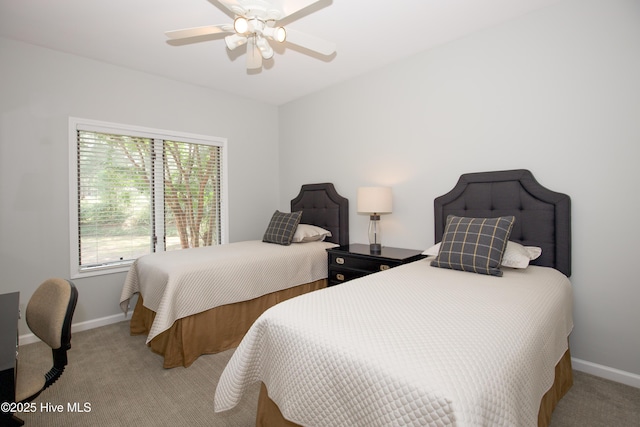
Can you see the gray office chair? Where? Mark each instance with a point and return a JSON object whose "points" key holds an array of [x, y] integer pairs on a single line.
{"points": [[48, 315]]}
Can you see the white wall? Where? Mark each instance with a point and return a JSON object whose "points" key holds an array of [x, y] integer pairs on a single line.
{"points": [[39, 90], [556, 92]]}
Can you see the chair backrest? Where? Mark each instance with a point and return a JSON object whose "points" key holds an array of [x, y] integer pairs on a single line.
{"points": [[50, 311]]}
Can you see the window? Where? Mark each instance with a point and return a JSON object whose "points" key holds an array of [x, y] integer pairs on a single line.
{"points": [[135, 191]]}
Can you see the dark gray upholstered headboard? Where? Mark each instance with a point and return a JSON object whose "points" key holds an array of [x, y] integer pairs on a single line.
{"points": [[321, 205], [543, 217]]}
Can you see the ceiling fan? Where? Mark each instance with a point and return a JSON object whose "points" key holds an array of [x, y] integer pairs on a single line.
{"points": [[255, 24]]}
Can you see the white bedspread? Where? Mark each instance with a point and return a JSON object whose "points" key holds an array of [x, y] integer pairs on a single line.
{"points": [[182, 283], [414, 345]]}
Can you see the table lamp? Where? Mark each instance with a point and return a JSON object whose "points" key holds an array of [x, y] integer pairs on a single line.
{"points": [[374, 201]]}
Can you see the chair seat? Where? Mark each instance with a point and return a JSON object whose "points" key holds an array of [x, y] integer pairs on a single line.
{"points": [[30, 380], [49, 314]]}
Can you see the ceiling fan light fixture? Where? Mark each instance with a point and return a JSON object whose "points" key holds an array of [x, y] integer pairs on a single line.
{"points": [[235, 40], [241, 25], [280, 34], [265, 49]]}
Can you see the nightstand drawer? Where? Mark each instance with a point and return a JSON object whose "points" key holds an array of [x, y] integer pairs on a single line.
{"points": [[369, 264], [337, 275]]}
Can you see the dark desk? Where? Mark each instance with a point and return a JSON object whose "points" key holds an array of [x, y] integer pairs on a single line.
{"points": [[9, 314]]}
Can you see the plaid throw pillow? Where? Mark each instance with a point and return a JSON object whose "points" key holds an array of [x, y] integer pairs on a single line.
{"points": [[474, 244], [282, 227]]}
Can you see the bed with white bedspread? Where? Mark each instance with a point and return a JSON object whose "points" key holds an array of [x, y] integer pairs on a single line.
{"points": [[183, 283], [203, 300], [405, 360], [422, 345]]}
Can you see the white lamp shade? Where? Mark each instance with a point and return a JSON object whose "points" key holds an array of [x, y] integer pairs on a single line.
{"points": [[265, 49], [278, 34], [241, 25], [375, 200], [234, 40]]}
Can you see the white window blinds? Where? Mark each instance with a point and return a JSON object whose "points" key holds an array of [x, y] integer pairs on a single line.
{"points": [[115, 188], [141, 192]]}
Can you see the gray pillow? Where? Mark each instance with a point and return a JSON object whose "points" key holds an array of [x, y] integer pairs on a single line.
{"points": [[474, 244], [282, 227]]}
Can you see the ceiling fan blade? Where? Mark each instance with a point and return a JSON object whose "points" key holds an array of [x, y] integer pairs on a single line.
{"points": [[199, 31], [254, 58], [310, 42]]}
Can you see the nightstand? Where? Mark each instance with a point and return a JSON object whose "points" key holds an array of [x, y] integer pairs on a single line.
{"points": [[356, 260]]}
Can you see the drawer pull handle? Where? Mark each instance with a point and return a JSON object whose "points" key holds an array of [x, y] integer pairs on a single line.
{"points": [[384, 267], [340, 260], [340, 276]]}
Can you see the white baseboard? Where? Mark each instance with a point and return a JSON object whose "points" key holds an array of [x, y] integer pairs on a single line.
{"points": [[82, 326], [606, 372]]}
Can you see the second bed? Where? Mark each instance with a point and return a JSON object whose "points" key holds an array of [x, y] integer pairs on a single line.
{"points": [[203, 300]]}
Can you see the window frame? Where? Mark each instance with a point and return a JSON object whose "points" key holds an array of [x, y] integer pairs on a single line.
{"points": [[76, 124]]}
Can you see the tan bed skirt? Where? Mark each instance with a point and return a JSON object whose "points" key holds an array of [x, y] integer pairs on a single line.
{"points": [[211, 331], [269, 414]]}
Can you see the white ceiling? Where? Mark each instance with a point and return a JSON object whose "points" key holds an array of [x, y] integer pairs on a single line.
{"points": [[368, 34]]}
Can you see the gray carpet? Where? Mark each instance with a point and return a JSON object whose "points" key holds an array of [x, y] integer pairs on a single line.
{"points": [[124, 384]]}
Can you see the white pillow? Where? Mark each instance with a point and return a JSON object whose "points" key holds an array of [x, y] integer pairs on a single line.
{"points": [[309, 233], [518, 256], [515, 255]]}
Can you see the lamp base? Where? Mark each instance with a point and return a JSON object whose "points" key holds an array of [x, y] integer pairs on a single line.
{"points": [[375, 234]]}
